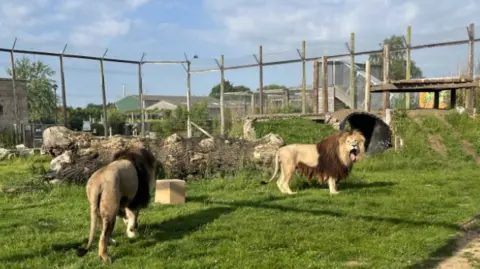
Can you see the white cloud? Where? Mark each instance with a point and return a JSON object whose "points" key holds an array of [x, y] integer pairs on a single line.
{"points": [[284, 23], [84, 22]]}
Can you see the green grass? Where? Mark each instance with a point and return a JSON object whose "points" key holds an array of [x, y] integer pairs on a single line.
{"points": [[468, 128], [396, 210]]}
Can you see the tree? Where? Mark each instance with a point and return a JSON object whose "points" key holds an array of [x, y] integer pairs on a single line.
{"points": [[398, 59], [229, 87], [274, 87], [40, 88]]}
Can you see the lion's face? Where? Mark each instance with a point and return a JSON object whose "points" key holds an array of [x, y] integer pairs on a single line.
{"points": [[353, 145]]}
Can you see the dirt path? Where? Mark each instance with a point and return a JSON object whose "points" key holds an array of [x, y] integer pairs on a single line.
{"points": [[468, 249]]}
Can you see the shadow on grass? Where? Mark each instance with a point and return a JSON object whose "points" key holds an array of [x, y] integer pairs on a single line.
{"points": [[257, 204], [28, 206], [345, 185], [181, 226], [434, 258]]}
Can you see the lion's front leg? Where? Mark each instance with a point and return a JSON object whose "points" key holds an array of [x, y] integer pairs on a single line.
{"points": [[132, 222], [332, 185]]}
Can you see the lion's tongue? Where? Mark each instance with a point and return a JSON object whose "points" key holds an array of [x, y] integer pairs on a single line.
{"points": [[353, 157]]}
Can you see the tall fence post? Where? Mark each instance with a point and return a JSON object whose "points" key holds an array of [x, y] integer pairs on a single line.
{"points": [[352, 70], [408, 67], [386, 72], [14, 86], [470, 93], [315, 83], [222, 91], [368, 83], [64, 91], [260, 82], [140, 92], [189, 100], [325, 83], [104, 95], [304, 77]]}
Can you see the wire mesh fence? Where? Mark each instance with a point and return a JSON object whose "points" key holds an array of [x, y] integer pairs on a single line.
{"points": [[109, 95]]}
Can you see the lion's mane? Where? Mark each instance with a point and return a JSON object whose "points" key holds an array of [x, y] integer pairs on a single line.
{"points": [[141, 159], [329, 163]]}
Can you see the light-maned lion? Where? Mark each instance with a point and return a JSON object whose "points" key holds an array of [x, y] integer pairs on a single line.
{"points": [[121, 188], [332, 159]]}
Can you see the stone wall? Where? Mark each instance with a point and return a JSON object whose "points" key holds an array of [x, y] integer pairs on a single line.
{"points": [[7, 104]]}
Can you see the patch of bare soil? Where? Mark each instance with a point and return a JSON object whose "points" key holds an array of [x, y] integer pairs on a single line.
{"points": [[470, 150], [354, 263], [435, 112], [468, 253], [436, 141], [467, 146]]}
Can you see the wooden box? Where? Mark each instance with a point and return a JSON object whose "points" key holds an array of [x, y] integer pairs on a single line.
{"points": [[170, 191]]}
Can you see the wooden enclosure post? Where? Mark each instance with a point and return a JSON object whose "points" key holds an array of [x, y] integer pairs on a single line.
{"points": [[386, 71], [470, 93], [189, 100], [222, 91], [252, 103], [368, 85], [325, 83], [140, 93], [260, 82], [315, 84], [304, 78], [408, 68], [352, 70], [14, 87], [104, 96], [64, 91], [436, 99]]}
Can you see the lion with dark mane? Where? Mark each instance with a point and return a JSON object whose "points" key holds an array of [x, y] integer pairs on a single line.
{"points": [[121, 188], [331, 159]]}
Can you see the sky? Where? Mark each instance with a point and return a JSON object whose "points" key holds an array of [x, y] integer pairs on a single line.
{"points": [[171, 29]]}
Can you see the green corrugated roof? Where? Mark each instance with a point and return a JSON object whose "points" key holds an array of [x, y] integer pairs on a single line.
{"points": [[128, 103]]}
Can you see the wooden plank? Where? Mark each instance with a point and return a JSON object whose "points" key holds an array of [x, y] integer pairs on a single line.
{"points": [[386, 72], [325, 84], [368, 86], [287, 116], [422, 88], [316, 83], [432, 80]]}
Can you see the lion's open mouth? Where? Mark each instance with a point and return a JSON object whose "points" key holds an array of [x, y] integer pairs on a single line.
{"points": [[353, 155]]}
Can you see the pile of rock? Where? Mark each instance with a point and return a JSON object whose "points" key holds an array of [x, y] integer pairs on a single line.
{"points": [[77, 155]]}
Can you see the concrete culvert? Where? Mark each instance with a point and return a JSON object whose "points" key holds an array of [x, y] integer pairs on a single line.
{"points": [[378, 136]]}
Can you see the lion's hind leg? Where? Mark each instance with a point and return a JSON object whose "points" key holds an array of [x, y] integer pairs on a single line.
{"points": [[284, 182], [132, 222], [108, 224]]}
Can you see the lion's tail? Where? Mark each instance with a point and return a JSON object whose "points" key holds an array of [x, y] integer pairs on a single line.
{"points": [[93, 223], [276, 160]]}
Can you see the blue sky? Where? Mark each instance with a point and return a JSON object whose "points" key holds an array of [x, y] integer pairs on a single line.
{"points": [[166, 29]]}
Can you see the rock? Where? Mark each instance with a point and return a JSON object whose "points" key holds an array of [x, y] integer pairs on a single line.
{"points": [[272, 139], [58, 162], [249, 133], [4, 153], [55, 181], [207, 143], [57, 139], [172, 139]]}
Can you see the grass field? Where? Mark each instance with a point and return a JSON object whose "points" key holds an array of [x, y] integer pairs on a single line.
{"points": [[397, 210]]}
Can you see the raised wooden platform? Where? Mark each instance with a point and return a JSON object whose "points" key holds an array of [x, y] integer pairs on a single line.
{"points": [[339, 114], [312, 116], [426, 85]]}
